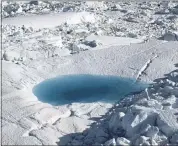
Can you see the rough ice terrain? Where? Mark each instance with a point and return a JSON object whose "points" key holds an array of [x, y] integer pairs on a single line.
{"points": [[89, 73]]}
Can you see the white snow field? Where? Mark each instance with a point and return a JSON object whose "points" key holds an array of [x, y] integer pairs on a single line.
{"points": [[51, 20], [94, 73]]}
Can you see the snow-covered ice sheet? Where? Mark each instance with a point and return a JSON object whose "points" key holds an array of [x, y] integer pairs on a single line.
{"points": [[51, 20], [97, 38], [24, 116]]}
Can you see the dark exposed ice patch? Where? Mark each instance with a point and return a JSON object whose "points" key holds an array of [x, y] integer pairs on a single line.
{"points": [[85, 88]]}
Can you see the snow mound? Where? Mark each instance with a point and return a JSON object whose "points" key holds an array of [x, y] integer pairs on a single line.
{"points": [[108, 41], [170, 36]]}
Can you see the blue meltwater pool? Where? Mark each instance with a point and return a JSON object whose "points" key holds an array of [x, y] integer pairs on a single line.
{"points": [[85, 88]]}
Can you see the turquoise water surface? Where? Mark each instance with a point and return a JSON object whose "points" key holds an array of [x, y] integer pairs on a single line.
{"points": [[85, 88]]}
